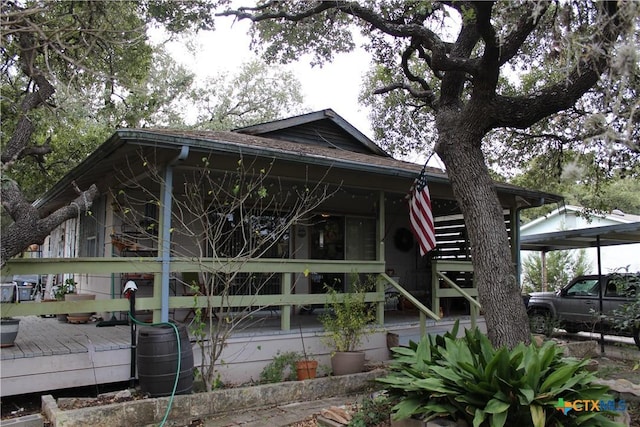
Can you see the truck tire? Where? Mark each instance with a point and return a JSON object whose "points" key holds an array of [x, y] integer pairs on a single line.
{"points": [[636, 336], [540, 322]]}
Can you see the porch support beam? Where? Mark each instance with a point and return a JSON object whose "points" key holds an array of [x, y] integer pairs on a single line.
{"points": [[285, 316], [380, 284], [514, 219], [165, 239]]}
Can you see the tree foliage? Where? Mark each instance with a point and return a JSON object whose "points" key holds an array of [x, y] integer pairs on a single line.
{"points": [[448, 61], [560, 267], [257, 93], [73, 71]]}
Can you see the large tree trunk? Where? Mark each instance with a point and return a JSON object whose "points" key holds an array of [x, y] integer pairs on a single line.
{"points": [[459, 147]]}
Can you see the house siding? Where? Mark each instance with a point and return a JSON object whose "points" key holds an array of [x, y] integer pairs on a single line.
{"points": [[326, 134]]}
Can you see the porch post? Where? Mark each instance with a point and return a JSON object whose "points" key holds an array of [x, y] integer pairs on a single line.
{"points": [[380, 284], [285, 310], [165, 238], [515, 241]]}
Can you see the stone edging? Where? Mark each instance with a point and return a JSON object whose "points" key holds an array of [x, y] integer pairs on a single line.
{"points": [[198, 405]]}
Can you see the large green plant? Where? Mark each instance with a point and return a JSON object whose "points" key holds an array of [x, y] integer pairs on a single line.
{"points": [[469, 379], [346, 317]]}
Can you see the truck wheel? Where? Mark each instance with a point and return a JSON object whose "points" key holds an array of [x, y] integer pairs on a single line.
{"points": [[636, 336], [539, 323]]}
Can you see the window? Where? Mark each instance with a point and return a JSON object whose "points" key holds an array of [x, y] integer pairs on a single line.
{"points": [[255, 236], [361, 239], [586, 287], [92, 230]]}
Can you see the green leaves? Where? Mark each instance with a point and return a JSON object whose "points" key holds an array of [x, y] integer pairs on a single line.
{"points": [[347, 317], [466, 378]]}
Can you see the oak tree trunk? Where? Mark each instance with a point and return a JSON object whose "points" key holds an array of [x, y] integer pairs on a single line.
{"points": [[459, 147]]}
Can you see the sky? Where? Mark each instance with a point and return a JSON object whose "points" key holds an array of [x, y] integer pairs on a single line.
{"points": [[335, 85]]}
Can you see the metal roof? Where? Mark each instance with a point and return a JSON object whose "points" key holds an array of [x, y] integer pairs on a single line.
{"points": [[609, 235]]}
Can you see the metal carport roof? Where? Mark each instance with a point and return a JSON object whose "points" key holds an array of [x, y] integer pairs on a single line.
{"points": [[609, 235], [594, 237]]}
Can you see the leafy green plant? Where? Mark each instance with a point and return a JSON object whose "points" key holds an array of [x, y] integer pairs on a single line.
{"points": [[281, 368], [627, 316], [373, 411], [346, 319], [68, 287], [467, 378]]}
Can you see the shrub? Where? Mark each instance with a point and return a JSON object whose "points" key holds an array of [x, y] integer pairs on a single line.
{"points": [[469, 379], [346, 320], [373, 411], [281, 368]]}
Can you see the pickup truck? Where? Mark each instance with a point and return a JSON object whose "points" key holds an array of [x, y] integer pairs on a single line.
{"points": [[576, 306]]}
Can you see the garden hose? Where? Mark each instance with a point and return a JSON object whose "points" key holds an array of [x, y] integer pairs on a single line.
{"points": [[175, 383]]}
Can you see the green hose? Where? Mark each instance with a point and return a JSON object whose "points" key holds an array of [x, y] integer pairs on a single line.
{"points": [[175, 383]]}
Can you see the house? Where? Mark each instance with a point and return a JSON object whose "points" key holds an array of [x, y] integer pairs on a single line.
{"points": [[568, 217], [355, 223]]}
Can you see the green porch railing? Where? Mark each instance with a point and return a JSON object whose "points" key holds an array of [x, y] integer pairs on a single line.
{"points": [[439, 268], [422, 309], [106, 266]]}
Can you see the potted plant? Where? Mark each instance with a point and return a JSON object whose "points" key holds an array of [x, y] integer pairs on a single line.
{"points": [[59, 292], [306, 368], [68, 292], [8, 325], [67, 287], [346, 321]]}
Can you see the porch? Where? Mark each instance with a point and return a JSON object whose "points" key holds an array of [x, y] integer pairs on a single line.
{"points": [[51, 355]]}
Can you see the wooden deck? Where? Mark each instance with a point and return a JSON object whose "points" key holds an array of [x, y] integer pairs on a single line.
{"points": [[51, 355]]}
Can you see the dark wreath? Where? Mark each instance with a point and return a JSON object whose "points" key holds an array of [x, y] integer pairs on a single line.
{"points": [[403, 239]]}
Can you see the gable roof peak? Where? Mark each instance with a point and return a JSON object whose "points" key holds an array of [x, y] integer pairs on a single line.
{"points": [[327, 114]]}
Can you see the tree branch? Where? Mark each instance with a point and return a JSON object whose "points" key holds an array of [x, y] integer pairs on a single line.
{"points": [[564, 94], [426, 96], [28, 228], [529, 20]]}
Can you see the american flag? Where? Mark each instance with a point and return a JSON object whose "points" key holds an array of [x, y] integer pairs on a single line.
{"points": [[420, 214]]}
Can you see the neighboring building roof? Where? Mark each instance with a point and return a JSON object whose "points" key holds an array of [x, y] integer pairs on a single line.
{"points": [[569, 217], [124, 144], [620, 234]]}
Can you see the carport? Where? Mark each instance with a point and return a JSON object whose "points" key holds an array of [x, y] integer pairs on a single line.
{"points": [[595, 237]]}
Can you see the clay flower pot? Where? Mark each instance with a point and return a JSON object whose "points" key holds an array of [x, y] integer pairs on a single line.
{"points": [[306, 369], [79, 317]]}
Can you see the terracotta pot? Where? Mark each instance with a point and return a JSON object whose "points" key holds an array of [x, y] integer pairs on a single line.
{"points": [[79, 317], [347, 362], [8, 331], [306, 369]]}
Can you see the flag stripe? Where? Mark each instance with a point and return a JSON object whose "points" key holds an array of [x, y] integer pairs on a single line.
{"points": [[421, 216]]}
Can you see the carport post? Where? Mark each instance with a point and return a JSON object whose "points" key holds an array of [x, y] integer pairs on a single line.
{"points": [[600, 293]]}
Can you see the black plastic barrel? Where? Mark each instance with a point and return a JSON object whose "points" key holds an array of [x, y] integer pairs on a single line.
{"points": [[157, 360]]}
